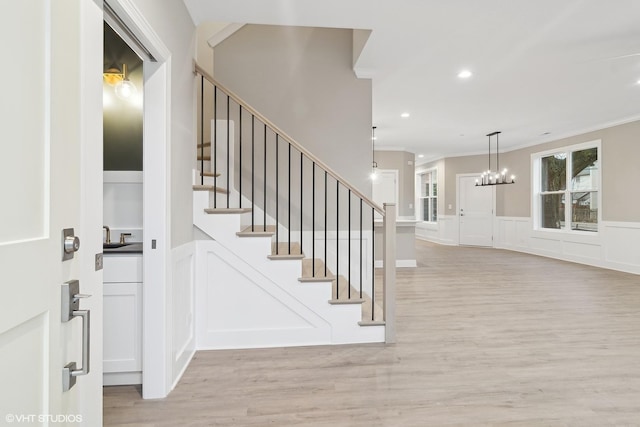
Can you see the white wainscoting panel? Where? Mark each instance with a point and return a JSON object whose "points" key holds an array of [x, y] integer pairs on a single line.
{"points": [[615, 246], [445, 231], [622, 245], [182, 309]]}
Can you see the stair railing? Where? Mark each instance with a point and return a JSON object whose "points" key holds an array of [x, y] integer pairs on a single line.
{"points": [[359, 218]]}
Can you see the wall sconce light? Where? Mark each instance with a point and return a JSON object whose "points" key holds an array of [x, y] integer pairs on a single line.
{"points": [[123, 87]]}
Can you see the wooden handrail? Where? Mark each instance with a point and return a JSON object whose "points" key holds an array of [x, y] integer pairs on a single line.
{"points": [[199, 70]]}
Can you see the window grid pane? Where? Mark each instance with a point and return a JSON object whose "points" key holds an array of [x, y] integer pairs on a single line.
{"points": [[584, 165], [584, 211], [554, 173], [552, 211]]}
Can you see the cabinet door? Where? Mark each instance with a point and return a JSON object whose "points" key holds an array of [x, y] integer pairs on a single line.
{"points": [[122, 327]]}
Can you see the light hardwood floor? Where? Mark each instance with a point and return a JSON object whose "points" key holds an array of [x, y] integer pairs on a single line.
{"points": [[485, 337]]}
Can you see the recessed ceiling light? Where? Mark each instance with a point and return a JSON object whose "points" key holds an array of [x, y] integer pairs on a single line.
{"points": [[420, 156], [464, 74], [405, 115]]}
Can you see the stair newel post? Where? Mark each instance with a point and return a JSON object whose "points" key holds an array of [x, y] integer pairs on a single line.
{"points": [[389, 264], [214, 146], [277, 195], [228, 153], [373, 264], [201, 130], [264, 181]]}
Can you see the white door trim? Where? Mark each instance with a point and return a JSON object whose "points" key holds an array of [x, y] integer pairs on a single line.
{"points": [[156, 353], [493, 208]]}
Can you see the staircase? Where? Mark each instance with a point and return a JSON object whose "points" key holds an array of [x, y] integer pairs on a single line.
{"points": [[294, 241]]}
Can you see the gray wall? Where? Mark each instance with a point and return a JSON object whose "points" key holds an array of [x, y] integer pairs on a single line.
{"points": [[173, 25], [403, 162], [302, 80], [619, 169]]}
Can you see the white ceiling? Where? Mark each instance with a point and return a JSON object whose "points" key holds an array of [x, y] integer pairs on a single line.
{"points": [[557, 66]]}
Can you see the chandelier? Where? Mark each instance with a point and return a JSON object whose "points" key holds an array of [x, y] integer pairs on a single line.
{"points": [[497, 177]]}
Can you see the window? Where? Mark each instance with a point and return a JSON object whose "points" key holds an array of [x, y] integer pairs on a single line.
{"points": [[428, 196], [566, 187]]}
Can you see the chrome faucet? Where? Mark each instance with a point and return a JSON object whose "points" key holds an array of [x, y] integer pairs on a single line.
{"points": [[104, 227]]}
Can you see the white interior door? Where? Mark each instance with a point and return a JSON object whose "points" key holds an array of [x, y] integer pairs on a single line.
{"points": [[385, 188], [40, 187], [475, 212]]}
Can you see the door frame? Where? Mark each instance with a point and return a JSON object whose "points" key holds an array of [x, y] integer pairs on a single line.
{"points": [[493, 206], [156, 342]]}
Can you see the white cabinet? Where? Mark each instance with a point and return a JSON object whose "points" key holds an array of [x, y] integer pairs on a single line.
{"points": [[122, 352]]}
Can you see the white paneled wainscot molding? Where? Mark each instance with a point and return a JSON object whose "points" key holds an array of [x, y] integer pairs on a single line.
{"points": [[616, 245], [445, 231], [181, 307]]}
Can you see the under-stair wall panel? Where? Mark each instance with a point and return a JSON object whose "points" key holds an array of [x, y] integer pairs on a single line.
{"points": [[240, 308]]}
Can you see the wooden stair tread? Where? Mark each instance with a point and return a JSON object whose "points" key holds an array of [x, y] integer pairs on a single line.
{"points": [[319, 276], [206, 144], [206, 157], [198, 187], [285, 249], [258, 231], [211, 174], [223, 211]]}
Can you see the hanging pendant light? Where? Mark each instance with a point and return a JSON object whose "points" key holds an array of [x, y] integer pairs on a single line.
{"points": [[125, 89], [497, 177], [374, 165]]}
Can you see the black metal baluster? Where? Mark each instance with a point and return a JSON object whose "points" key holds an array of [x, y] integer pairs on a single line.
{"points": [[337, 239], [253, 171], [240, 160], [301, 200], [289, 203], [201, 130], [264, 182], [214, 147], [360, 248], [313, 219], [277, 195], [228, 155], [349, 245], [373, 264], [325, 224]]}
